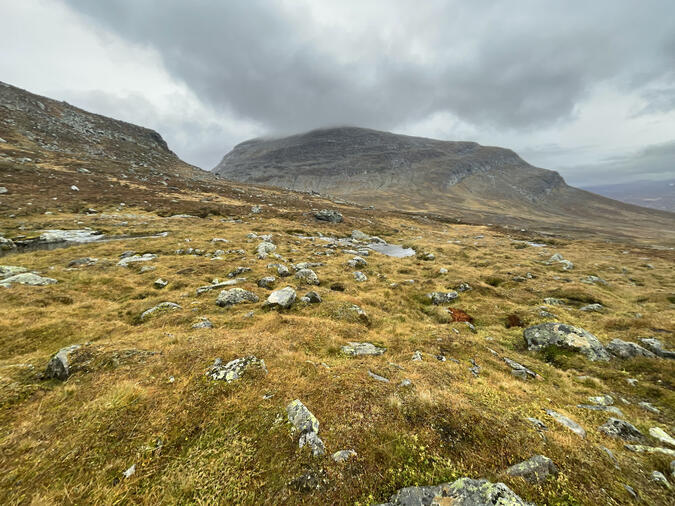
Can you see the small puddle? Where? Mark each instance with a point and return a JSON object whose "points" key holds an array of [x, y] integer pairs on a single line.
{"points": [[38, 244]]}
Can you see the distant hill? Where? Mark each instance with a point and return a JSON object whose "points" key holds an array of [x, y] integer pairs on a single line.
{"points": [[462, 180], [655, 194]]}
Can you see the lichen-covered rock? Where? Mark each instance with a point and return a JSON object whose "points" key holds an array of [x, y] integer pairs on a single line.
{"points": [[360, 277], [281, 299], [626, 349], [609, 409], [565, 336], [328, 215], [265, 248], [301, 418], [307, 276], [11, 270], [27, 278], [161, 307], [235, 369], [534, 470], [234, 296], [6, 244], [662, 436], [438, 298], [357, 261], [362, 349], [59, 365], [462, 492], [314, 442], [567, 422], [343, 455], [622, 429]]}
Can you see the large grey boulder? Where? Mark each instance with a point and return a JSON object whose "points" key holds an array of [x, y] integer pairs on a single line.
{"points": [[234, 296], [307, 276], [27, 278], [59, 365], [438, 298], [362, 349], [565, 336], [161, 307], [281, 299], [534, 470], [234, 369], [621, 429], [656, 347], [328, 215], [626, 349], [463, 492]]}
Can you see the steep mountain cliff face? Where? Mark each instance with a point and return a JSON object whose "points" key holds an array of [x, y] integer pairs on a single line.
{"points": [[460, 180]]}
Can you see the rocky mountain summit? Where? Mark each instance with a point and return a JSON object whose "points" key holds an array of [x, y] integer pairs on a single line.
{"points": [[460, 180]]}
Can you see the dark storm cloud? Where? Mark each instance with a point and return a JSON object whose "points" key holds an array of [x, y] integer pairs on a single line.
{"points": [[513, 65], [653, 163]]}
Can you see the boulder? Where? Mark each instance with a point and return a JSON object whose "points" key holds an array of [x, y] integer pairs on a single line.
{"points": [[360, 277], [534, 470], [626, 349], [656, 347], [301, 418], [462, 492], [59, 365], [565, 336], [328, 215], [265, 248], [312, 298], [622, 429], [11, 270], [438, 298], [234, 296], [27, 278], [357, 261], [281, 299], [266, 282], [235, 369], [126, 261], [362, 349], [307, 276]]}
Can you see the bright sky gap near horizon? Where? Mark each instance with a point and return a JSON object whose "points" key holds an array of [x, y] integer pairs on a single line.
{"points": [[587, 89]]}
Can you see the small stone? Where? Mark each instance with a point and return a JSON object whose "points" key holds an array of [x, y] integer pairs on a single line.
{"points": [[74, 188], [602, 400], [438, 298], [266, 282], [160, 283], [203, 323], [417, 356], [80, 262], [301, 418], [343, 455], [659, 478], [281, 299], [161, 307], [567, 422], [406, 383], [360, 277], [314, 442], [130, 472], [312, 297], [662, 436], [357, 261], [626, 350], [130, 259], [234, 296], [377, 377], [597, 308], [362, 349], [534, 470], [59, 365], [538, 424], [649, 407]]}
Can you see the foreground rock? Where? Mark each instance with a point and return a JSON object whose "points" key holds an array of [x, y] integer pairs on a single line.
{"points": [[11, 270], [233, 296], [362, 349], [281, 299], [565, 336], [626, 350], [59, 365], [161, 307], [534, 470], [235, 369], [307, 424], [662, 436], [27, 278], [463, 492]]}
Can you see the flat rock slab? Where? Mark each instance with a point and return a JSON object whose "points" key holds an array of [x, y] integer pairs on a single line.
{"points": [[125, 262], [362, 349], [565, 336], [27, 278], [567, 422], [234, 296]]}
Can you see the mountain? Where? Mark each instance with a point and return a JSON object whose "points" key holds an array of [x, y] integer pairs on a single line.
{"points": [[462, 180], [655, 194]]}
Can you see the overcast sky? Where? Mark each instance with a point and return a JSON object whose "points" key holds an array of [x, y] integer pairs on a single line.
{"points": [[583, 87]]}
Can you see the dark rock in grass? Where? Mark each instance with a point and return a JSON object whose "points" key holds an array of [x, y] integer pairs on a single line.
{"points": [[622, 429], [328, 215], [626, 350], [534, 470], [312, 298], [59, 365]]}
